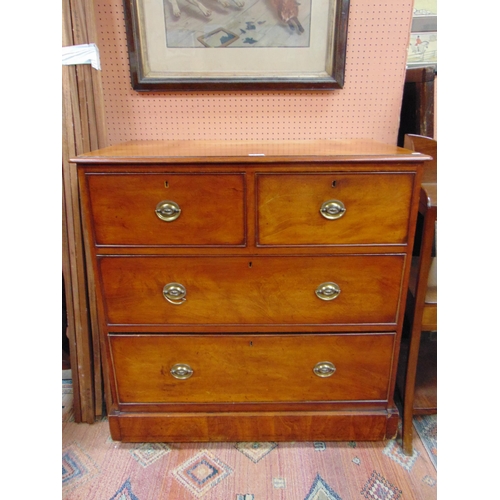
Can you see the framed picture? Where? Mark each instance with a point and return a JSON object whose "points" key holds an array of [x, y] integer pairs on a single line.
{"points": [[422, 50], [181, 45], [424, 16]]}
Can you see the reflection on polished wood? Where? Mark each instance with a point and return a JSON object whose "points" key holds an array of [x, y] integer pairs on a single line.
{"points": [[228, 291], [273, 291], [231, 369], [249, 151]]}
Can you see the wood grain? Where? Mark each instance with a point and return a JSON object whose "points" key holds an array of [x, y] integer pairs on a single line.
{"points": [[377, 208], [234, 291], [83, 130], [251, 427], [251, 325], [251, 151], [420, 381], [212, 209], [251, 368]]}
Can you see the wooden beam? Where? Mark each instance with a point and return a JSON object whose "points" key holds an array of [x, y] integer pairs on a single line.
{"points": [[83, 130]]}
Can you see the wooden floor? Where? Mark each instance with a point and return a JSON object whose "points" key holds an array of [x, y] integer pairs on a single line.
{"points": [[256, 24]]}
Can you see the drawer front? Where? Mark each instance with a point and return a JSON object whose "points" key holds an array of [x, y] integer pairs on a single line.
{"points": [[229, 290], [126, 209], [373, 209], [251, 368]]}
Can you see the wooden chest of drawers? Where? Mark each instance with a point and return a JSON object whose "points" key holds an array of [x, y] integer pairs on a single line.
{"points": [[250, 291]]}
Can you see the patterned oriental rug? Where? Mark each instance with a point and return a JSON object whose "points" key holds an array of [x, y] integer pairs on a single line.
{"points": [[96, 468]]}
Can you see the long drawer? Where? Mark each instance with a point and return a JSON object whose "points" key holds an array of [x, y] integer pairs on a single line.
{"points": [[251, 368], [167, 209], [261, 290], [333, 209]]}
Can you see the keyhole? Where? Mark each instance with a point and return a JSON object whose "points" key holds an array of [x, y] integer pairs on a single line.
{"points": [[166, 185], [334, 184], [249, 264]]}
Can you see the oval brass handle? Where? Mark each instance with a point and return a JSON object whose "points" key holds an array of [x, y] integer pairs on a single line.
{"points": [[332, 209], [324, 369], [175, 293], [167, 210], [328, 291], [181, 371]]}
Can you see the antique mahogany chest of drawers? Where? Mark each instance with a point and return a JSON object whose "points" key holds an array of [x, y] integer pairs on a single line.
{"points": [[249, 290]]}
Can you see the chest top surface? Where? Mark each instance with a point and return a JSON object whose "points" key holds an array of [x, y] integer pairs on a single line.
{"points": [[208, 151]]}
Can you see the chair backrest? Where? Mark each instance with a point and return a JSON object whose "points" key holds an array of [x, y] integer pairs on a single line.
{"points": [[417, 105], [428, 146]]}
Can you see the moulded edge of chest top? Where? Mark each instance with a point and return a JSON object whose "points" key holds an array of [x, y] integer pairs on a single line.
{"points": [[248, 151], [346, 166]]}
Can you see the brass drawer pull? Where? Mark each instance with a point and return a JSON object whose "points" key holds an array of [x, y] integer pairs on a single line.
{"points": [[324, 369], [175, 293], [181, 371], [167, 210], [332, 209], [328, 291]]}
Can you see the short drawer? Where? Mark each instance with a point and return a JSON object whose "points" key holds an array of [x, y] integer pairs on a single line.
{"points": [[263, 290], [167, 209], [331, 209], [251, 368]]}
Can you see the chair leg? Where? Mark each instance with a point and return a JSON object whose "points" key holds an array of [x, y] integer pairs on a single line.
{"points": [[409, 395], [416, 329]]}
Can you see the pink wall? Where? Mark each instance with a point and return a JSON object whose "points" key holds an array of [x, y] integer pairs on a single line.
{"points": [[367, 107]]}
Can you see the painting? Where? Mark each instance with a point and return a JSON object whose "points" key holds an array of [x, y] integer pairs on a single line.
{"points": [[422, 50], [181, 45], [424, 16]]}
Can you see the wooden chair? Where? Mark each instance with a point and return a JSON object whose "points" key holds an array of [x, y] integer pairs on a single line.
{"points": [[417, 106], [418, 369]]}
